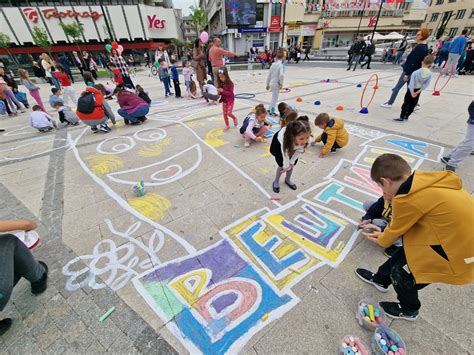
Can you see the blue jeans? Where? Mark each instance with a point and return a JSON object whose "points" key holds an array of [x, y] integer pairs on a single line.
{"points": [[55, 82], [133, 117], [166, 83], [398, 57], [397, 88]]}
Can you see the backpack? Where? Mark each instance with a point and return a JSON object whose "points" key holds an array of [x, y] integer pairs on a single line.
{"points": [[245, 124], [86, 102]]}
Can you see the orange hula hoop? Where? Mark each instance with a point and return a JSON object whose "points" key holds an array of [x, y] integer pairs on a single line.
{"points": [[376, 87]]}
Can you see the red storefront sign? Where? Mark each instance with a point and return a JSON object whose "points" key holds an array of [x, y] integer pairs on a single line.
{"points": [[275, 29], [153, 22], [32, 14], [275, 21]]}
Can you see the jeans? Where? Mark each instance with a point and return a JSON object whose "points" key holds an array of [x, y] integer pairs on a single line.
{"points": [[409, 104], [208, 97], [393, 272], [463, 149], [166, 83], [397, 88], [355, 59], [324, 139], [17, 262], [369, 60], [133, 117], [398, 57], [55, 82], [177, 89]]}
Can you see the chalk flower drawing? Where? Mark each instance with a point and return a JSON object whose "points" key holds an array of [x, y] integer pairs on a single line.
{"points": [[113, 266]]}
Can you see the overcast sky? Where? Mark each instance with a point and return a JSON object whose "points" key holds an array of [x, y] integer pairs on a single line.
{"points": [[184, 5]]}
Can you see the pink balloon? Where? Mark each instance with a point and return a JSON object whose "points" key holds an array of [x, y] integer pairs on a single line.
{"points": [[204, 37], [120, 48]]}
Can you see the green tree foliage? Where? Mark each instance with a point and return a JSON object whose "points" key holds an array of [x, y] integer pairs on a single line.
{"points": [[199, 19], [5, 43], [41, 39]]}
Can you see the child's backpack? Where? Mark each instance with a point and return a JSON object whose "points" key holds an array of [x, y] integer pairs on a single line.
{"points": [[163, 73], [245, 124], [86, 102], [21, 96], [3, 109]]}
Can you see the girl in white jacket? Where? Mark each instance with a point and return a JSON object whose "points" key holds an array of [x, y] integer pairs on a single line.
{"points": [[275, 80]]}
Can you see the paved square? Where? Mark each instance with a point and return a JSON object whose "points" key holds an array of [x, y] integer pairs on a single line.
{"points": [[206, 261]]}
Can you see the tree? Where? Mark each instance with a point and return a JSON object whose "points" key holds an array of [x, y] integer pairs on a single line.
{"points": [[5, 43], [40, 37], [73, 30], [199, 19]]}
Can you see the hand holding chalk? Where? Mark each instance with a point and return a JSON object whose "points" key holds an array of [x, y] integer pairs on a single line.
{"points": [[373, 236]]}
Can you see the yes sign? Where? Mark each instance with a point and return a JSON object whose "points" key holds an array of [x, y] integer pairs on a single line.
{"points": [[153, 22]]}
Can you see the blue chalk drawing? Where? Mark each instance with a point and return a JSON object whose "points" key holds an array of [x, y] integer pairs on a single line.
{"points": [[333, 191], [410, 146]]}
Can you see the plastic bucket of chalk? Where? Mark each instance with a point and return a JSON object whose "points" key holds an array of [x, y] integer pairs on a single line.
{"points": [[352, 345], [369, 314], [387, 341]]}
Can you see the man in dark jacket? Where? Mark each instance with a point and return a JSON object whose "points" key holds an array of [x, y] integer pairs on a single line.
{"points": [[369, 52], [356, 50], [412, 63], [401, 49]]}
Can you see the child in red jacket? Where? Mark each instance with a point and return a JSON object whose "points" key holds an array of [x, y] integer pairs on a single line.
{"points": [[226, 90]]}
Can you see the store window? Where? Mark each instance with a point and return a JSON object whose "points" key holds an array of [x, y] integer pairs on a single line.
{"points": [[434, 17], [276, 9], [453, 31], [260, 12], [460, 14], [439, 2], [274, 41]]}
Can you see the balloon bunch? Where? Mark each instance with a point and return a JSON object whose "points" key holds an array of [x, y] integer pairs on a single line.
{"points": [[115, 46]]}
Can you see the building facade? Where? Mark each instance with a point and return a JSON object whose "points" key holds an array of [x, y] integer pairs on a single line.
{"points": [[266, 33], [449, 17], [189, 33], [135, 24], [335, 23]]}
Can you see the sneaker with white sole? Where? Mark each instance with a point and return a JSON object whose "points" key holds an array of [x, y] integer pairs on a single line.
{"points": [[445, 160], [386, 105], [368, 277], [246, 144], [394, 310]]}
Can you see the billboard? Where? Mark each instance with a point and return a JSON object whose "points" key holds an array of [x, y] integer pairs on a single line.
{"points": [[241, 12]]}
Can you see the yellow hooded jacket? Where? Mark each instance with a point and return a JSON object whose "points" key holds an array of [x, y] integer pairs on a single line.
{"points": [[435, 218], [336, 133]]}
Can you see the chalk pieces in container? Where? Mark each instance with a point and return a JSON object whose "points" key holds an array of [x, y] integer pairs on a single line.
{"points": [[386, 341], [369, 314], [352, 345]]}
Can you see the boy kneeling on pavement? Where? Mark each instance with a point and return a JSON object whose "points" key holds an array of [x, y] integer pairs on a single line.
{"points": [[433, 214]]}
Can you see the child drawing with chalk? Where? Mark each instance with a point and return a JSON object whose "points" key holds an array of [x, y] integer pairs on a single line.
{"points": [[334, 137], [284, 109], [226, 90], [433, 213], [255, 126], [378, 215], [289, 117], [288, 144]]}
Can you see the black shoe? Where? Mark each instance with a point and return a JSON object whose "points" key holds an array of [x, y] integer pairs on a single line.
{"points": [[276, 189], [333, 150], [445, 160], [348, 68], [5, 324], [137, 123], [40, 286], [390, 251], [94, 129], [291, 186], [127, 122], [368, 277], [400, 119], [450, 168], [394, 310]]}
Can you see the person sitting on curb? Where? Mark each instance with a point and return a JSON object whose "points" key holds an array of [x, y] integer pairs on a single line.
{"points": [[16, 262]]}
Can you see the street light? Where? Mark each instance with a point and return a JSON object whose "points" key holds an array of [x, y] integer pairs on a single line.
{"points": [[112, 37]]}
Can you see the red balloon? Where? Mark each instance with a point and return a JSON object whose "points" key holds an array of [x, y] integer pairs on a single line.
{"points": [[115, 45]]}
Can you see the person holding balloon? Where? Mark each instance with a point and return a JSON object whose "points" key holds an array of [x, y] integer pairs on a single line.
{"points": [[216, 56], [116, 57]]}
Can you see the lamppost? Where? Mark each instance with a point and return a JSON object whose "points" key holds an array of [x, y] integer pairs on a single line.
{"points": [[111, 34]]}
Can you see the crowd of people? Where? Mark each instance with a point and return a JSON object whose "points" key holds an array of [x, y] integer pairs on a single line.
{"points": [[402, 220]]}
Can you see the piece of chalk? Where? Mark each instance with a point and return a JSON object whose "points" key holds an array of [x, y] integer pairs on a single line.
{"points": [[391, 342], [275, 198], [401, 351], [367, 319], [236, 146], [344, 345], [265, 317], [378, 336], [366, 311], [106, 314], [376, 312], [303, 161], [371, 312], [391, 353], [397, 353], [379, 320], [346, 340], [394, 348], [383, 342], [384, 348]]}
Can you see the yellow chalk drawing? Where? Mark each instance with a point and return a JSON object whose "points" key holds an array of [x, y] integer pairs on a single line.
{"points": [[215, 119], [212, 138], [102, 164], [267, 151], [330, 254], [265, 317], [151, 205], [285, 248], [154, 149], [194, 124], [297, 83], [377, 151], [200, 278], [265, 170]]}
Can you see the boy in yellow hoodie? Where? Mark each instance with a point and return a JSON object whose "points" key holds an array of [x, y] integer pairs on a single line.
{"points": [[334, 137], [434, 215]]}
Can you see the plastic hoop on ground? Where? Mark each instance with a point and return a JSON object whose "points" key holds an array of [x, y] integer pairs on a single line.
{"points": [[375, 88], [437, 92], [244, 95], [285, 90]]}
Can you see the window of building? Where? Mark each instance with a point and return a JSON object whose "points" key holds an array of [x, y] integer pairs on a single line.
{"points": [[439, 2], [460, 14], [434, 16], [276, 10], [404, 5], [452, 1], [453, 31], [260, 12]]}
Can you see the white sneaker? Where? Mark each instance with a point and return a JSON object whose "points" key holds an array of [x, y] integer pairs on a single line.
{"points": [[386, 105], [246, 144], [31, 239]]}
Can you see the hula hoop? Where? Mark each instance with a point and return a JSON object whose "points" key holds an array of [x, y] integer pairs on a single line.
{"points": [[376, 87], [244, 95], [438, 92], [285, 90]]}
